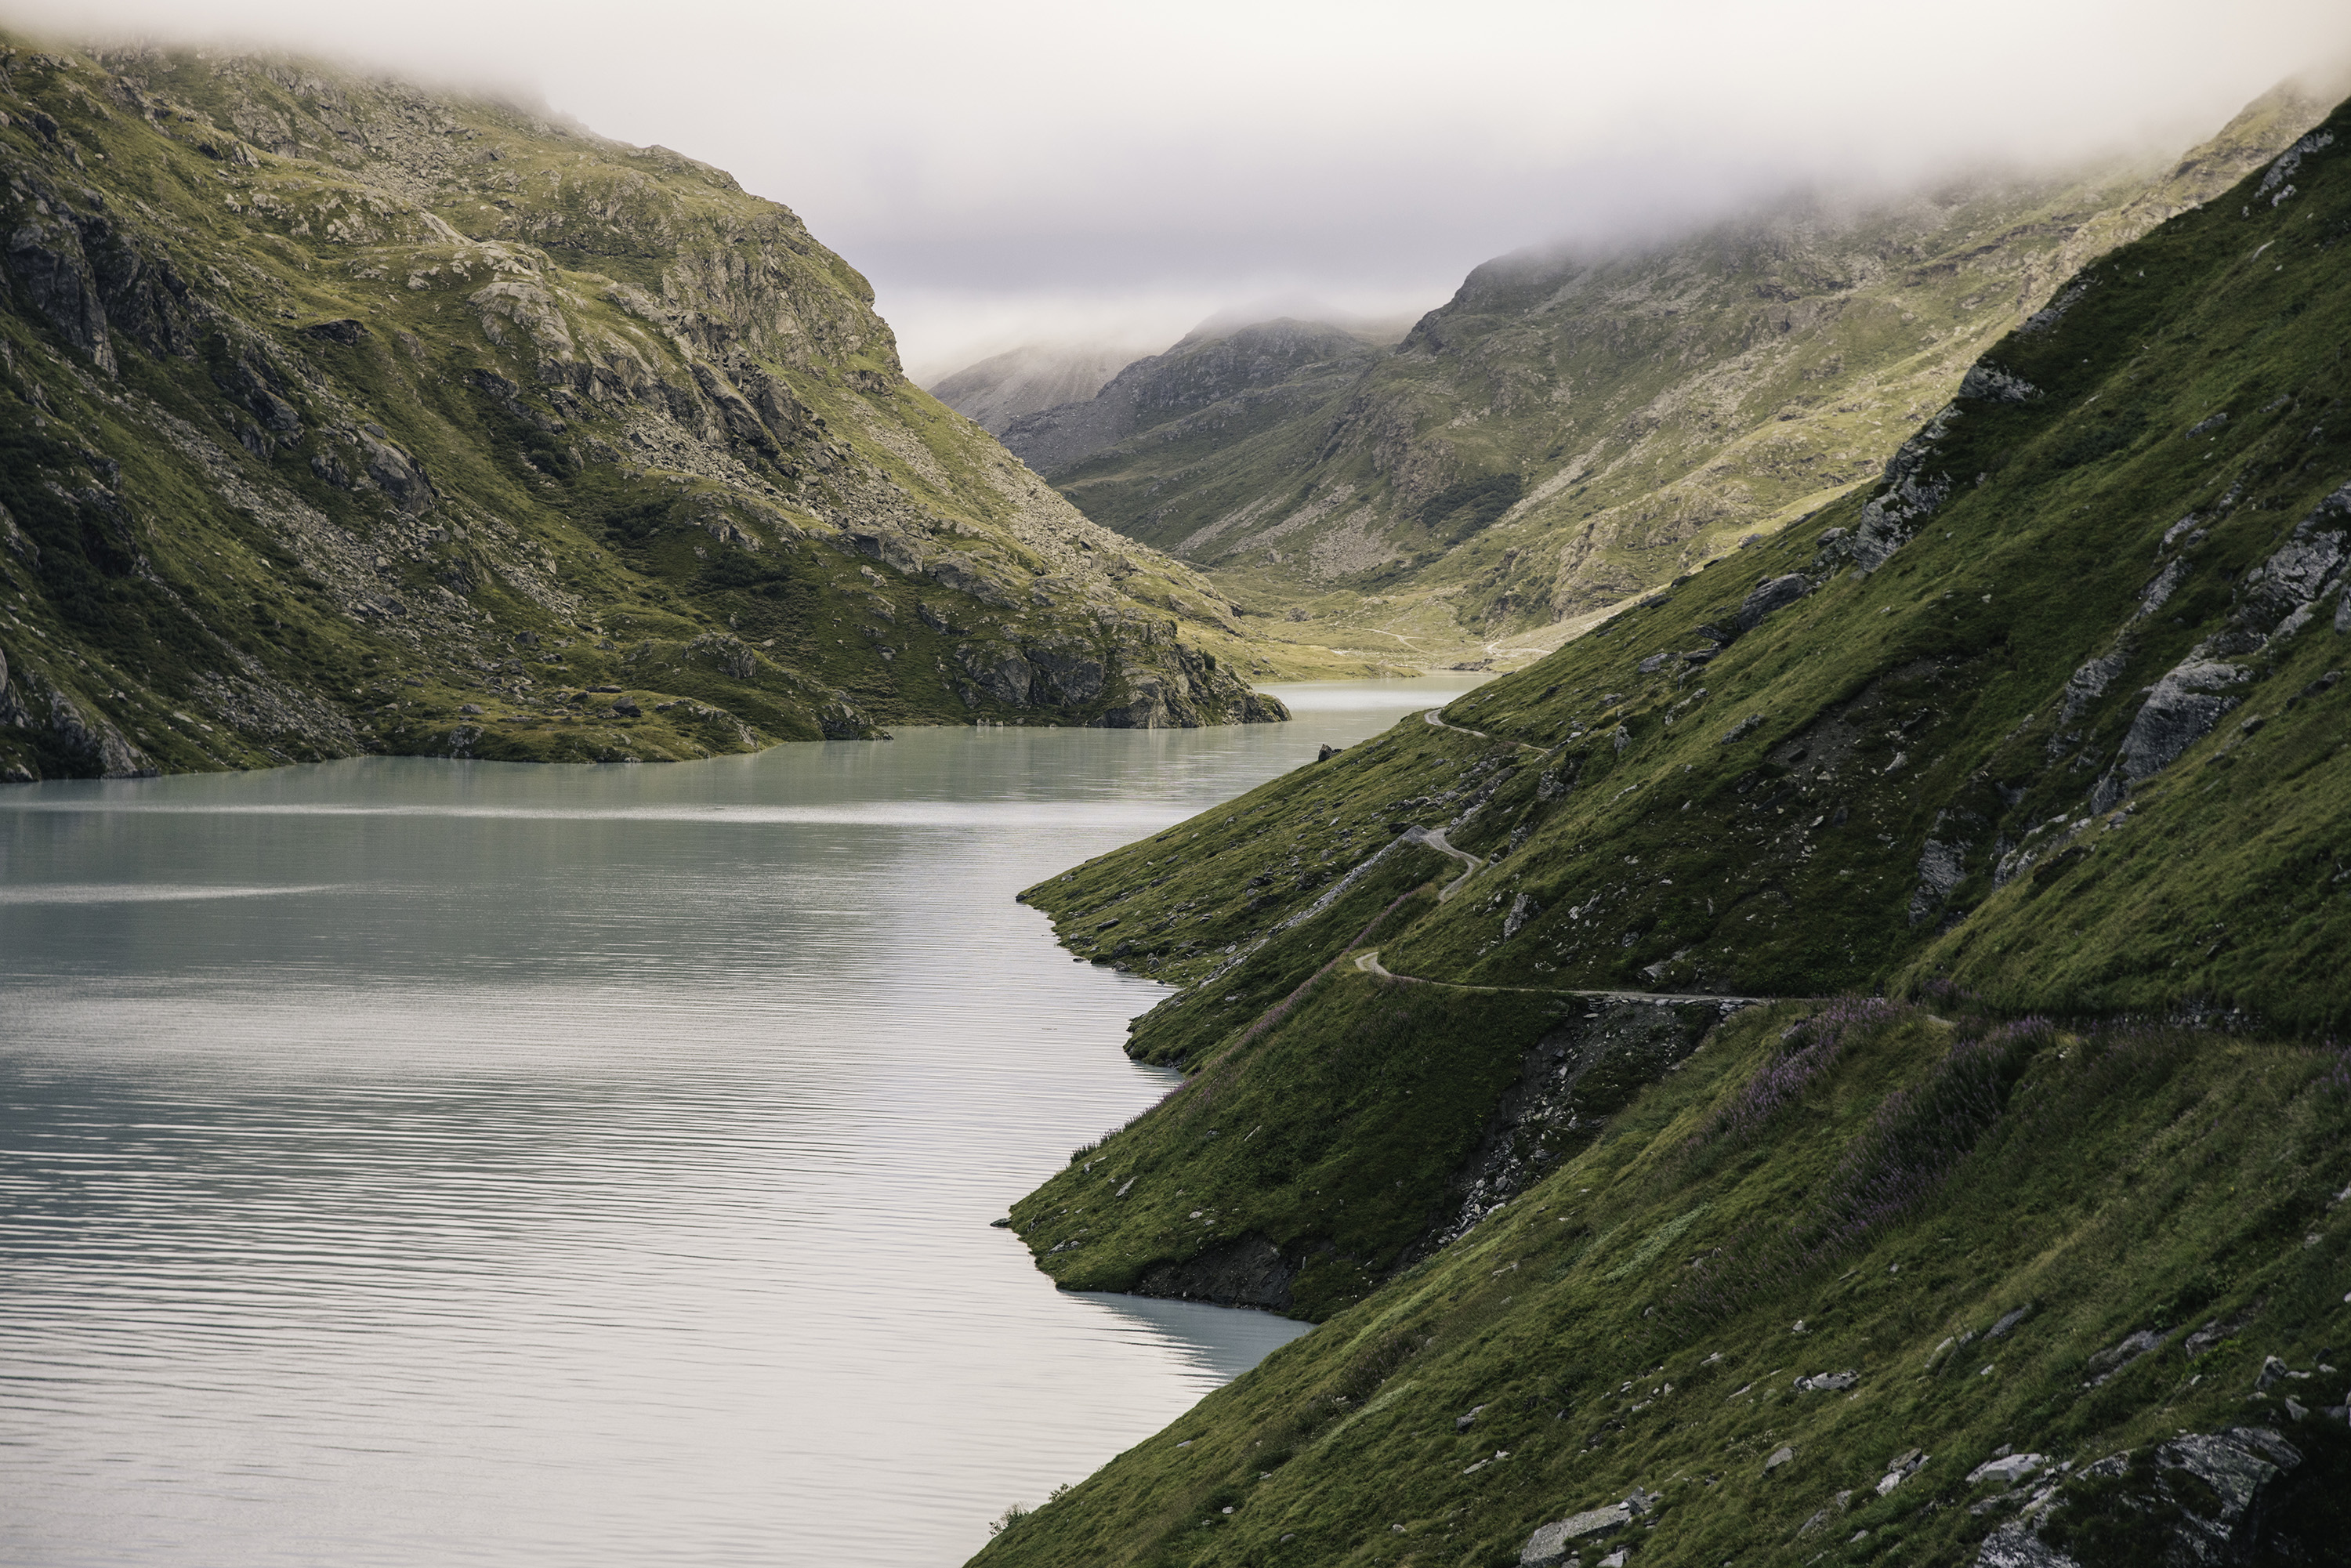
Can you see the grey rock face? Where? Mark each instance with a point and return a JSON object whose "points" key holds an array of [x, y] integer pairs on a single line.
{"points": [[1776, 594], [728, 653], [1247, 1272], [17, 541], [1910, 497], [2109, 1362], [2299, 571], [2181, 710], [1941, 868], [1987, 382], [2289, 163], [95, 740], [2015, 1546], [46, 258], [2216, 1489], [2007, 1470], [961, 574], [2088, 683], [400, 475], [1074, 678], [997, 670], [1523, 909], [1827, 1382], [12, 709], [2158, 592], [1570, 1083]]}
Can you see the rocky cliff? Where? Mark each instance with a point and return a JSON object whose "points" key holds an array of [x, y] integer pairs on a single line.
{"points": [[344, 416]]}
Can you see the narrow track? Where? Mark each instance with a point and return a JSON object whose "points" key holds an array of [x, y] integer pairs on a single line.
{"points": [[1369, 963], [1436, 723]]}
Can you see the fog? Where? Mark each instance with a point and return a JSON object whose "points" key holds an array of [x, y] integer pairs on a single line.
{"points": [[1050, 169]]}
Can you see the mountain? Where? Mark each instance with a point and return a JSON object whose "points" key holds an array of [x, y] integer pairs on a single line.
{"points": [[1843, 1063], [1572, 429], [343, 416], [1000, 389], [1209, 392]]}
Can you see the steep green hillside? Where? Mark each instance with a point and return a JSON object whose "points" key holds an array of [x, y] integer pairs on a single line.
{"points": [[1794, 1300], [1572, 430], [343, 416], [2050, 719]]}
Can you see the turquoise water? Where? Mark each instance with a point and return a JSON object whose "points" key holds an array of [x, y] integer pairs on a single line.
{"points": [[427, 1163]]}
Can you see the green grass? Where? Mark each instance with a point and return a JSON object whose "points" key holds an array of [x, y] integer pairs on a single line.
{"points": [[1656, 407], [1885, 786], [1632, 1321], [663, 441]]}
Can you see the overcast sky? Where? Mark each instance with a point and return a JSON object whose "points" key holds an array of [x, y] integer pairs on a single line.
{"points": [[1031, 169]]}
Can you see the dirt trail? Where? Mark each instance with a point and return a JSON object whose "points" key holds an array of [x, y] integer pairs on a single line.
{"points": [[1435, 839], [1436, 723], [1369, 963]]}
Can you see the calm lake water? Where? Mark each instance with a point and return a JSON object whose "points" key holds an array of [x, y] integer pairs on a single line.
{"points": [[426, 1163]]}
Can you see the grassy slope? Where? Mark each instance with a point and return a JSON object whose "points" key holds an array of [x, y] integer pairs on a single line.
{"points": [[1788, 858], [1656, 408], [598, 418], [1825, 804], [1631, 1322]]}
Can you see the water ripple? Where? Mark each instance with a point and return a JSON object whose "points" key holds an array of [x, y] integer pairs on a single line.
{"points": [[413, 1164]]}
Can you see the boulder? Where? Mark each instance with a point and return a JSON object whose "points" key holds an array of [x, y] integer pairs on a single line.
{"points": [[1550, 1544], [2007, 1470], [2108, 1363], [1776, 594]]}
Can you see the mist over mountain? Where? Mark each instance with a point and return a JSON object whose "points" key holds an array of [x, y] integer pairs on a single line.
{"points": [[1003, 387], [1576, 426], [1042, 171]]}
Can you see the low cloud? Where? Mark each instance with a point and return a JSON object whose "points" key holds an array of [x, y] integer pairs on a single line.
{"points": [[1067, 170]]}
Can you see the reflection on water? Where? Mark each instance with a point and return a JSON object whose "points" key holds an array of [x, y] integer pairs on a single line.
{"points": [[429, 1163]]}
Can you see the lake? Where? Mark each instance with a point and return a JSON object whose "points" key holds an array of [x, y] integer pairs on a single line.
{"points": [[425, 1163]]}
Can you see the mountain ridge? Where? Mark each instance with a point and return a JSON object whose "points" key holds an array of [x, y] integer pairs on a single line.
{"points": [[346, 416], [1653, 406], [2038, 736], [994, 392]]}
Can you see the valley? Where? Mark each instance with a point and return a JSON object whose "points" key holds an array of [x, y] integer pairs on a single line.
{"points": [[1572, 430]]}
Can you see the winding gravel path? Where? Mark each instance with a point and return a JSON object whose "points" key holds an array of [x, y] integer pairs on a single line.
{"points": [[1436, 723]]}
